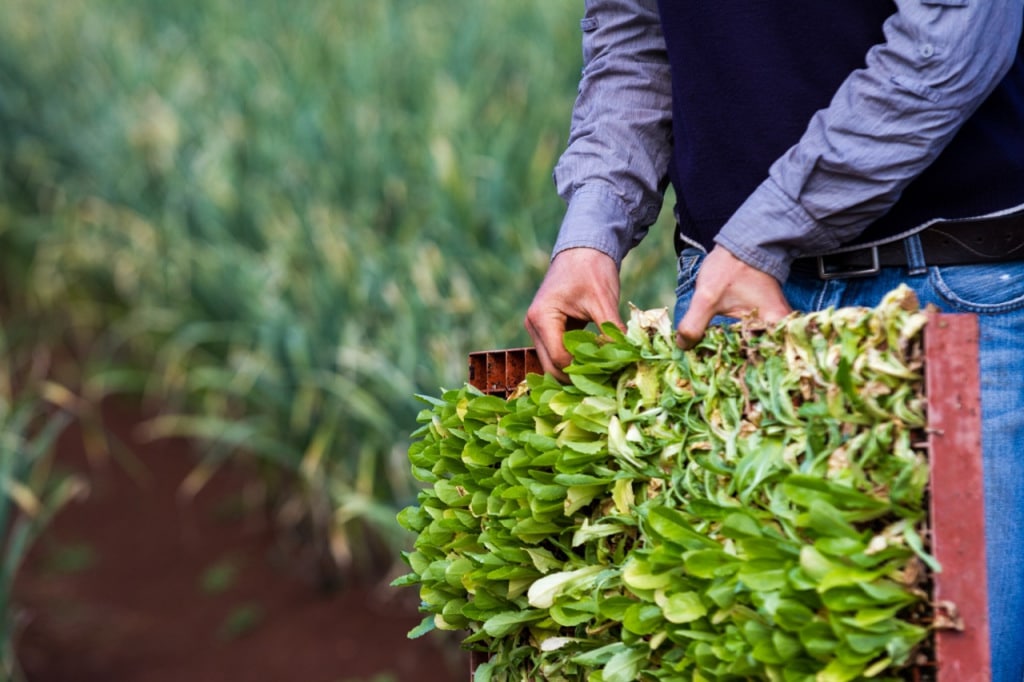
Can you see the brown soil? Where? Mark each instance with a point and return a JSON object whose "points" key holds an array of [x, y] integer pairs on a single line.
{"points": [[138, 584]]}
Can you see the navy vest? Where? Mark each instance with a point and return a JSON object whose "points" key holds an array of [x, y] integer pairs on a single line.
{"points": [[747, 77]]}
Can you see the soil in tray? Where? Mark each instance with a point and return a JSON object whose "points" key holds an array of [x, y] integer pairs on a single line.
{"points": [[139, 584]]}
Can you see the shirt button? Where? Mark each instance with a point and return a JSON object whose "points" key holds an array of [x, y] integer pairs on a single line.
{"points": [[926, 50]]}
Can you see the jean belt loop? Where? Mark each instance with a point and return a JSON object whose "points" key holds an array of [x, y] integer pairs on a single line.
{"points": [[916, 264]]}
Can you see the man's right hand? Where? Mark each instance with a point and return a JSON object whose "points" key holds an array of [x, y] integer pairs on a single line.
{"points": [[581, 286]]}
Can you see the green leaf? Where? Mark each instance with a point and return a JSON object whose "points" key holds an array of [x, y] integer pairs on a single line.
{"points": [[451, 494], [640, 575], [827, 521], [710, 563], [579, 496], [671, 526], [683, 607], [622, 495], [406, 580], [792, 615], [588, 532], [624, 666], [503, 624], [591, 386], [597, 658], [868, 642], [575, 613], [840, 576], [837, 671], [866, 596], [542, 592], [614, 607], [484, 672], [804, 490], [915, 543], [543, 560], [643, 618], [740, 525], [425, 626], [763, 575], [815, 564]]}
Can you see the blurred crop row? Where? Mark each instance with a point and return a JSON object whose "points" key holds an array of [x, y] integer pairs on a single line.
{"points": [[279, 221]]}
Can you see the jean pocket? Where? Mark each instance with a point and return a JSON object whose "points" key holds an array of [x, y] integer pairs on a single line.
{"points": [[686, 270], [992, 288]]}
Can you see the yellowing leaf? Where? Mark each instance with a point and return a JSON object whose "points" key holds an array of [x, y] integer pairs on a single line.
{"points": [[543, 591]]}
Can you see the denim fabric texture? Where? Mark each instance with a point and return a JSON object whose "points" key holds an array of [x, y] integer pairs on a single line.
{"points": [[995, 293]]}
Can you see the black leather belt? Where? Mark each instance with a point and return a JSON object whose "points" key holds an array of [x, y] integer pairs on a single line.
{"points": [[961, 242]]}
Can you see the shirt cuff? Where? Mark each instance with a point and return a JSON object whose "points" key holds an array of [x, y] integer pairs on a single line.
{"points": [[770, 229], [597, 219]]}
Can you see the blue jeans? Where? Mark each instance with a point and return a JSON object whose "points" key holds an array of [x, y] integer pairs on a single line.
{"points": [[995, 293]]}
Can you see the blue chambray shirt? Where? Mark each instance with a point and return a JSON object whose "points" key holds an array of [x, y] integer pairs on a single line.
{"points": [[939, 61]]}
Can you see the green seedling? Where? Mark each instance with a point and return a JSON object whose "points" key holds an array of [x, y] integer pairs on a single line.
{"points": [[749, 509], [220, 576], [241, 620]]}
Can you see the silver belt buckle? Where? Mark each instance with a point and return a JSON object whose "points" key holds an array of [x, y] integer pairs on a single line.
{"points": [[869, 271]]}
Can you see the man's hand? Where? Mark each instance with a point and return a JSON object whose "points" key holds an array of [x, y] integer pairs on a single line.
{"points": [[581, 286], [728, 286]]}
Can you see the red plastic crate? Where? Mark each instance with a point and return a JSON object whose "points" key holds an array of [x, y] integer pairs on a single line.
{"points": [[956, 515], [953, 390], [498, 372]]}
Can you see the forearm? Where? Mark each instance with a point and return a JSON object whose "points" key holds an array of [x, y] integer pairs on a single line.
{"points": [[885, 125], [612, 174]]}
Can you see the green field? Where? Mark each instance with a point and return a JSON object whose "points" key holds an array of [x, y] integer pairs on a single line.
{"points": [[282, 220]]}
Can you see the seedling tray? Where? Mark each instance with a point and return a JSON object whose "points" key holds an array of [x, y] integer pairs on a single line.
{"points": [[956, 515]]}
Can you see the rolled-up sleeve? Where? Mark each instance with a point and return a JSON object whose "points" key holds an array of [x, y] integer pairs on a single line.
{"points": [[612, 173], [885, 125]]}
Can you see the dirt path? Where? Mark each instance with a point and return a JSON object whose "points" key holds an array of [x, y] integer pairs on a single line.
{"points": [[135, 585]]}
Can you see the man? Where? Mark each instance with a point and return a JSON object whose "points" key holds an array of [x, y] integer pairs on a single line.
{"points": [[821, 153]]}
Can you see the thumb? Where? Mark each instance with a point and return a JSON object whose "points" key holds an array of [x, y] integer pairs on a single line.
{"points": [[774, 310], [694, 323]]}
